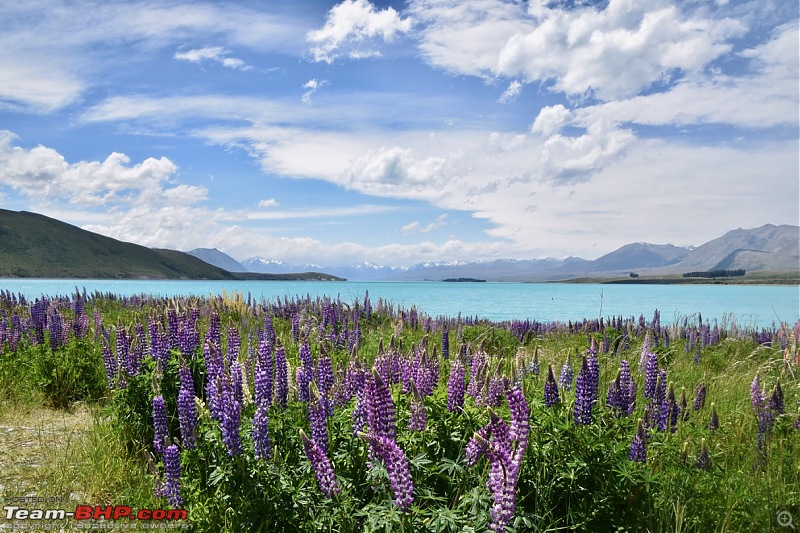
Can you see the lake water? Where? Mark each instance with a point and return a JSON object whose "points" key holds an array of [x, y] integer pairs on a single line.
{"points": [[757, 306]]}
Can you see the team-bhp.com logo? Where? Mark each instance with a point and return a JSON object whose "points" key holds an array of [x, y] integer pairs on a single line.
{"points": [[96, 512]]}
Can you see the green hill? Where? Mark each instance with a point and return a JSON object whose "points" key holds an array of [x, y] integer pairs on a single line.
{"points": [[33, 245]]}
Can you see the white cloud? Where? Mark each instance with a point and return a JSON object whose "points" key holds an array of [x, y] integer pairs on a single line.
{"points": [[511, 93], [612, 52], [43, 172], [763, 98], [551, 119], [268, 202], [59, 52], [217, 54], [351, 26], [312, 85], [416, 227]]}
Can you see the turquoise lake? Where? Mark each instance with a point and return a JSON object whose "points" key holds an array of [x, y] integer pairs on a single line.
{"points": [[755, 306]]}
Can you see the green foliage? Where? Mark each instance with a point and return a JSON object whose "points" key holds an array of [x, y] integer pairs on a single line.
{"points": [[71, 373]]}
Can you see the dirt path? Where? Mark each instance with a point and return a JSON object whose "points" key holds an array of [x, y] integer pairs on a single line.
{"points": [[33, 443]]}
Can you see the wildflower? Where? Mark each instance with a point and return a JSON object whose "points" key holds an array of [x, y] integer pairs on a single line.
{"points": [[583, 396], [321, 465], [700, 396], [397, 466], [187, 411], [551, 397], [638, 452], [380, 407], [713, 424], [172, 487], [261, 443], [455, 385], [318, 417], [281, 377], [651, 375], [418, 418]]}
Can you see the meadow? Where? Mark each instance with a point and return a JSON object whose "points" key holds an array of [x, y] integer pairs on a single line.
{"points": [[316, 414]]}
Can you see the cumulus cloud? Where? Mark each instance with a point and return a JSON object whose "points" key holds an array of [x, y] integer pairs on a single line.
{"points": [[351, 27], [215, 54], [42, 171], [551, 119], [612, 52]]}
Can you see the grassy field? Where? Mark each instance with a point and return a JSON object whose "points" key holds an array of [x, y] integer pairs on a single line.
{"points": [[408, 423]]}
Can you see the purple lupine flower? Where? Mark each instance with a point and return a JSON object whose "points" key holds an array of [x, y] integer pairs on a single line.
{"points": [[520, 414], [234, 343], [172, 485], [651, 374], [495, 391], [551, 396], [213, 335], [236, 381], [418, 418], [160, 430], [281, 378], [231, 416], [594, 372], [638, 451], [110, 363], [700, 396], [380, 407], [505, 451], [455, 385], [295, 327], [397, 466], [583, 396], [187, 410], [565, 379], [321, 465], [756, 396], [627, 388], [261, 443], [713, 424], [262, 380], [476, 375], [305, 374], [669, 411], [703, 460], [476, 447], [55, 325], [776, 398], [318, 416]]}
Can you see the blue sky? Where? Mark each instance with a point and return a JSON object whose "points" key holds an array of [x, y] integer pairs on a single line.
{"points": [[400, 132]]}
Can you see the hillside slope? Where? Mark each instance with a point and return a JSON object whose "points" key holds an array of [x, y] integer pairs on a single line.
{"points": [[33, 245]]}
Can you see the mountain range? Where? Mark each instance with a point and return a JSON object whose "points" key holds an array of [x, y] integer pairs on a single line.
{"points": [[33, 245], [766, 248]]}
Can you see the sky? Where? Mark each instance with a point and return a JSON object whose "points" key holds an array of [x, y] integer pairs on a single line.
{"points": [[401, 132]]}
